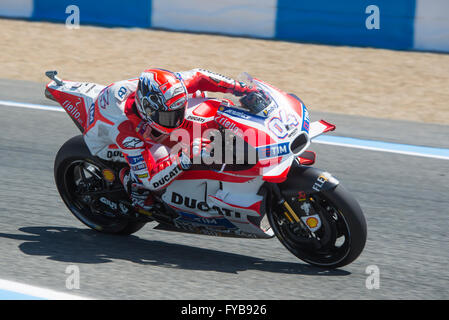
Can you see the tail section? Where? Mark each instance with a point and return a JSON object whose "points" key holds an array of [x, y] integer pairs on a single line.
{"points": [[75, 97]]}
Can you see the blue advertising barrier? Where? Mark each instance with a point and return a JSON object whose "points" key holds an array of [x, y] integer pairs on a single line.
{"points": [[392, 24], [129, 13], [344, 22]]}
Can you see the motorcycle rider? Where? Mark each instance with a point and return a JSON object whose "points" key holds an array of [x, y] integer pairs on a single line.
{"points": [[138, 115]]}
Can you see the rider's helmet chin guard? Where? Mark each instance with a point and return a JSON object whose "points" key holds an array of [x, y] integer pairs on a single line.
{"points": [[161, 100]]}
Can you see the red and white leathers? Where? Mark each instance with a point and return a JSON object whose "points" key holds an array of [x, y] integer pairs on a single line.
{"points": [[116, 121]]}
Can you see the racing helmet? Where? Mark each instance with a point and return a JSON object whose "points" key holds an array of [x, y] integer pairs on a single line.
{"points": [[161, 99]]}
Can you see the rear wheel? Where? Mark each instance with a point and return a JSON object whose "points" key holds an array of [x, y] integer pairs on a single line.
{"points": [[336, 234], [99, 204]]}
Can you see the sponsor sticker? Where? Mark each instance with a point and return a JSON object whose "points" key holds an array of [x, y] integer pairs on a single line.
{"points": [[123, 208], [302, 196], [91, 113], [273, 150], [196, 119], [306, 120], [139, 166], [167, 178], [72, 110], [220, 223], [103, 98], [132, 143], [132, 160], [237, 113], [228, 124], [114, 154], [109, 203], [121, 93], [108, 175], [312, 222], [322, 179]]}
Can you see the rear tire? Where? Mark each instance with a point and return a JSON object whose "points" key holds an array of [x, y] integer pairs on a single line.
{"points": [[72, 155], [347, 221]]}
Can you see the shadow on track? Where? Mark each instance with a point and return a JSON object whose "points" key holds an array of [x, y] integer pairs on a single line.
{"points": [[75, 245]]}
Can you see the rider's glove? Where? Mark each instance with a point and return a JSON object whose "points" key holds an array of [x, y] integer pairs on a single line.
{"points": [[144, 129], [199, 148], [184, 161], [256, 101], [241, 89]]}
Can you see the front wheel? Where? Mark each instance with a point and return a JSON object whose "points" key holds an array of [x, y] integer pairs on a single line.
{"points": [[337, 231]]}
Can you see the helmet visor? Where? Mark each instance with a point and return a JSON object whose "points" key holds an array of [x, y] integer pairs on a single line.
{"points": [[168, 119]]}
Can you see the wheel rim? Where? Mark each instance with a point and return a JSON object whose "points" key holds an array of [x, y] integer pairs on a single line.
{"points": [[82, 206], [325, 247]]}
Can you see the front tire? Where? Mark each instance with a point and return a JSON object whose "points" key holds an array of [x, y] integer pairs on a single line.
{"points": [[339, 241], [72, 159]]}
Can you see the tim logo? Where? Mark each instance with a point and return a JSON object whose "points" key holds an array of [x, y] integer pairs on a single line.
{"points": [[274, 150]]}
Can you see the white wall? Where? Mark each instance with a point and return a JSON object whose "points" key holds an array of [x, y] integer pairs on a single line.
{"points": [[16, 8], [432, 25], [236, 17]]}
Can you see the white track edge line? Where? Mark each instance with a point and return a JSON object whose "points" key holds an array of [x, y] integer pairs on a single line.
{"points": [[355, 146], [30, 106], [59, 109], [37, 292]]}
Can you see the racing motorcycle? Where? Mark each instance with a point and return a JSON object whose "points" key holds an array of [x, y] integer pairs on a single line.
{"points": [[279, 194]]}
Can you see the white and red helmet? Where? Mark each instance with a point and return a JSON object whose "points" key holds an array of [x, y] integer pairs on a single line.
{"points": [[161, 99]]}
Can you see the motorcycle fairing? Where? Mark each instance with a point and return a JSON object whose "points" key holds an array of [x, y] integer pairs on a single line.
{"points": [[319, 127], [205, 203], [201, 110], [77, 99]]}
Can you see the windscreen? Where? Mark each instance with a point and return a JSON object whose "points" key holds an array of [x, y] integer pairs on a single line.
{"points": [[256, 102]]}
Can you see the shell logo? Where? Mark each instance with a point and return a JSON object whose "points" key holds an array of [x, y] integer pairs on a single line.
{"points": [[312, 222], [108, 175]]}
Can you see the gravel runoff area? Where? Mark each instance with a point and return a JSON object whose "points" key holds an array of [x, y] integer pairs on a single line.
{"points": [[360, 81]]}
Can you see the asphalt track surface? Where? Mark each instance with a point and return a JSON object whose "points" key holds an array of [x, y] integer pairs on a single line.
{"points": [[404, 198]]}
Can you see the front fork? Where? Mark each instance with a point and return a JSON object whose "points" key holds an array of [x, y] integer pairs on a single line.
{"points": [[288, 212], [294, 220]]}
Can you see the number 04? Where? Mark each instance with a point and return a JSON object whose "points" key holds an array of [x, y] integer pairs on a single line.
{"points": [[278, 125]]}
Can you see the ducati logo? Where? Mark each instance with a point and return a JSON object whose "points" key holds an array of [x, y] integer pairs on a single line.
{"points": [[176, 198], [168, 177]]}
